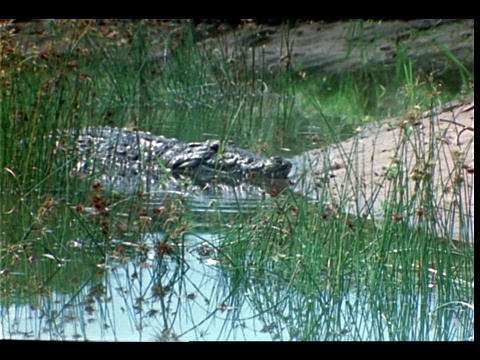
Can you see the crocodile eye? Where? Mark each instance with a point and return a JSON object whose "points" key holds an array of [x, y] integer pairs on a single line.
{"points": [[194, 144], [215, 146]]}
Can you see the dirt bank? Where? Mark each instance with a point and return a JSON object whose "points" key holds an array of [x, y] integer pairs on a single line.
{"points": [[433, 151], [331, 47], [304, 46]]}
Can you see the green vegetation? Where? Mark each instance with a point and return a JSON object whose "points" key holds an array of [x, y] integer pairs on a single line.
{"points": [[318, 274], [309, 271]]}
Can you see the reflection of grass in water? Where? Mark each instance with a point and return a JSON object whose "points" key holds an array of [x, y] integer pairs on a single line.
{"points": [[307, 256], [317, 274]]}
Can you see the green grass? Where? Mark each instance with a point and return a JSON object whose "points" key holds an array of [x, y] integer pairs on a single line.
{"points": [[305, 265], [311, 271]]}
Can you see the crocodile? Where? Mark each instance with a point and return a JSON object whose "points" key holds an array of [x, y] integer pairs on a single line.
{"points": [[125, 159]]}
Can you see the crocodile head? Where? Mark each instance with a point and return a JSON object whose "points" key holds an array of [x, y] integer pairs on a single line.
{"points": [[242, 165], [270, 168]]}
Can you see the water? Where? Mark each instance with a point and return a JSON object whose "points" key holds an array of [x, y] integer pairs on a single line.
{"points": [[153, 300], [188, 297], [191, 296]]}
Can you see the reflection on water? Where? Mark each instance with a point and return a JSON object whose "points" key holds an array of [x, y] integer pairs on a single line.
{"points": [[147, 300], [228, 202], [186, 296]]}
